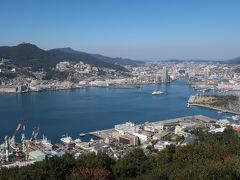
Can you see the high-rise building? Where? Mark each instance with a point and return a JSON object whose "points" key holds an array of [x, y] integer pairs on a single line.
{"points": [[165, 76], [157, 79]]}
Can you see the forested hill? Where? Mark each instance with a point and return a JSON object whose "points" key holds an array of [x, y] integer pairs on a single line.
{"points": [[116, 60], [29, 55], [214, 156]]}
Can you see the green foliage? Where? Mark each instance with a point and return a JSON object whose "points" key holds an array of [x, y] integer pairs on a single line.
{"points": [[8, 75], [25, 72], [131, 165], [56, 75], [223, 100], [91, 166], [175, 138], [234, 61]]}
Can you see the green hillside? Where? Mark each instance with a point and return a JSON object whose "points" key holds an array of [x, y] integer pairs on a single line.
{"points": [[29, 55], [234, 61], [117, 60]]}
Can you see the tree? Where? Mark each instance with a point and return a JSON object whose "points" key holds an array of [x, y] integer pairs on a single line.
{"points": [[130, 165]]}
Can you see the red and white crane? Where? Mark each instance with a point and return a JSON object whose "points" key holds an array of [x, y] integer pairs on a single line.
{"points": [[12, 140], [34, 133]]}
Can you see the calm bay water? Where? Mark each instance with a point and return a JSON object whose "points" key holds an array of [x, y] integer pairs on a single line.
{"points": [[84, 110]]}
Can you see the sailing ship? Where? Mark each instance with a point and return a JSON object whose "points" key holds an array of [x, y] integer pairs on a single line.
{"points": [[155, 91]]}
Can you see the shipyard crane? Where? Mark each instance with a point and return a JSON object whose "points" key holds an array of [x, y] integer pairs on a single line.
{"points": [[24, 143], [34, 134], [21, 123], [12, 143], [4, 156], [2, 150], [23, 139]]}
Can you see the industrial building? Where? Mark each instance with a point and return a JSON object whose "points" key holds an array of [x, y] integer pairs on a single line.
{"points": [[12, 89], [37, 156], [129, 139], [165, 76], [8, 89]]}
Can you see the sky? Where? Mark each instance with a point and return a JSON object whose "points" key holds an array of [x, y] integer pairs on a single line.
{"points": [[137, 29]]}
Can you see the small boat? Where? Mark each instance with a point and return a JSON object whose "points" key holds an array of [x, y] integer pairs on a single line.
{"points": [[82, 134], [157, 92], [227, 117], [219, 112], [235, 118]]}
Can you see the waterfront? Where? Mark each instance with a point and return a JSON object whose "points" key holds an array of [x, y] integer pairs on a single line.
{"points": [[90, 109]]}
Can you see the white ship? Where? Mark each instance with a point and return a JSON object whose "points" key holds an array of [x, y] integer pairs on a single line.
{"points": [[157, 92], [46, 143], [82, 134], [77, 140], [66, 139]]}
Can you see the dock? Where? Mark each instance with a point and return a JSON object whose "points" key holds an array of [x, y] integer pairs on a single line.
{"points": [[168, 121], [191, 99], [103, 134], [216, 109]]}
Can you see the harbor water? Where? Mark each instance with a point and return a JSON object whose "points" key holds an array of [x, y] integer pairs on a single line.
{"points": [[90, 109]]}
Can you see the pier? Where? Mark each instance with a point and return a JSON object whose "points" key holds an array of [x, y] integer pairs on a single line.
{"points": [[103, 134], [216, 109]]}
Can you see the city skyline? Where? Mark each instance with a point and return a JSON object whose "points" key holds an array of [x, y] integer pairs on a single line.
{"points": [[138, 29]]}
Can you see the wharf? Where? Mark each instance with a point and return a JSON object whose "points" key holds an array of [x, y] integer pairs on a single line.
{"points": [[103, 134], [217, 109], [191, 99], [168, 121], [35, 147]]}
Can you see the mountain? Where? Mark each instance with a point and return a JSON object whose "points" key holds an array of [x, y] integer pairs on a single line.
{"points": [[116, 60], [234, 61], [29, 55], [25, 54]]}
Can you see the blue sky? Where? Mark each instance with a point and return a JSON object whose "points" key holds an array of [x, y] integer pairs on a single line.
{"points": [[138, 29]]}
